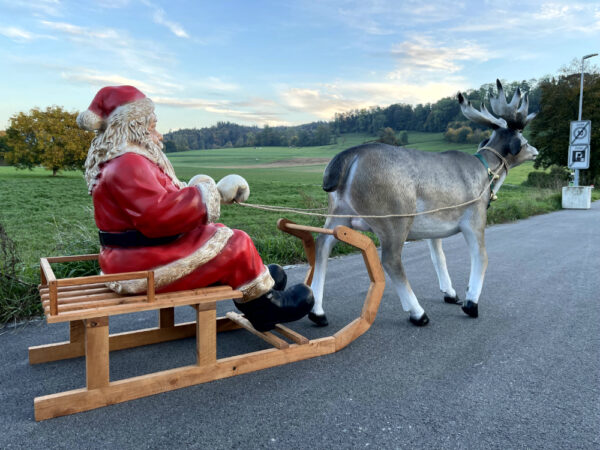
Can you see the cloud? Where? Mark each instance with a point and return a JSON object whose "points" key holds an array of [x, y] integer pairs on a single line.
{"points": [[422, 54], [113, 4], [217, 84], [38, 8], [160, 18], [385, 17], [81, 32], [129, 57], [99, 79], [228, 109], [16, 34], [192, 103], [536, 20], [323, 101], [20, 35], [550, 11]]}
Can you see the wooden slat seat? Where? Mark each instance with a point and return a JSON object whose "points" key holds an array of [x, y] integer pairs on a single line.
{"points": [[69, 299], [96, 301]]}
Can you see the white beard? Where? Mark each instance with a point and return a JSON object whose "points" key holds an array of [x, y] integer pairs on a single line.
{"points": [[116, 141]]}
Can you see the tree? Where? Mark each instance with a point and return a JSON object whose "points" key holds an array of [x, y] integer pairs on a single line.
{"points": [[388, 136], [4, 148], [169, 147], [550, 130], [403, 138], [50, 138], [322, 135], [378, 121], [303, 138]]}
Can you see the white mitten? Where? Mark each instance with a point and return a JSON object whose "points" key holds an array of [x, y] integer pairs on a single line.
{"points": [[210, 195], [233, 188]]}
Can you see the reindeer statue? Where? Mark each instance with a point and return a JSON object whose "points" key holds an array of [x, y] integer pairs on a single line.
{"points": [[406, 194]]}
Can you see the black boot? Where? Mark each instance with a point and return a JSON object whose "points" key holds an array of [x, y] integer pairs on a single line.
{"points": [[278, 275], [278, 307]]}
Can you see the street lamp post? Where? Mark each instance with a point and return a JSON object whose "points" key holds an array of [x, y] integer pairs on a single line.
{"points": [[576, 180]]}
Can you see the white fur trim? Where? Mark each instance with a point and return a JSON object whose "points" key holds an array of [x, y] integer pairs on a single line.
{"points": [[210, 197], [89, 120], [199, 179], [233, 188], [175, 270], [257, 287]]}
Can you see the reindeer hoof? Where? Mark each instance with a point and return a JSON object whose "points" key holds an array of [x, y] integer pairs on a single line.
{"points": [[470, 309], [320, 321], [453, 300], [420, 322]]}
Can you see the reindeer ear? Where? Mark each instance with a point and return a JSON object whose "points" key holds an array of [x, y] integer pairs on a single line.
{"points": [[514, 146]]}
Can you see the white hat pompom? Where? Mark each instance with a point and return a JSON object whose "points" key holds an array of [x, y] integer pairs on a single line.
{"points": [[89, 120]]}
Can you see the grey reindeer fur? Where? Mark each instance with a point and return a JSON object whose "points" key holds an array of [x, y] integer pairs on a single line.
{"points": [[380, 179]]}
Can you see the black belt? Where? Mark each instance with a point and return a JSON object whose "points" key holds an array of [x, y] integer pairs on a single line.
{"points": [[132, 238]]}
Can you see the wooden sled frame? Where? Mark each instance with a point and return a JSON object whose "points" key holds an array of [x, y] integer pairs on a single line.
{"points": [[88, 317]]}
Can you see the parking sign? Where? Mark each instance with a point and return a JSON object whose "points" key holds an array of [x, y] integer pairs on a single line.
{"points": [[579, 157]]}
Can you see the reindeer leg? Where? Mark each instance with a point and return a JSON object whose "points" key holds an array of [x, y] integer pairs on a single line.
{"points": [[439, 262], [476, 242], [391, 250], [324, 245]]}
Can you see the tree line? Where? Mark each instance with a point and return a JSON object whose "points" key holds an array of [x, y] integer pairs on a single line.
{"points": [[227, 135]]}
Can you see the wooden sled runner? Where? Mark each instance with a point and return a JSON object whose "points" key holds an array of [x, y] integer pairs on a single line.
{"points": [[87, 304]]}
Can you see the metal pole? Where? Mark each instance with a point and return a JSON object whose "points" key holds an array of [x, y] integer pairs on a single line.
{"points": [[576, 179], [581, 89]]}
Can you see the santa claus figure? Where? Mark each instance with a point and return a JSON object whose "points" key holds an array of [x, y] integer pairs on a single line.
{"points": [[150, 220]]}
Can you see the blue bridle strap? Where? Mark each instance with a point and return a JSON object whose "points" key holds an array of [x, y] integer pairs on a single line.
{"points": [[480, 157]]}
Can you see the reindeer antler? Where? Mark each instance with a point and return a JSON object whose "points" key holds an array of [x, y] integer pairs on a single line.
{"points": [[510, 115], [483, 117], [515, 116]]}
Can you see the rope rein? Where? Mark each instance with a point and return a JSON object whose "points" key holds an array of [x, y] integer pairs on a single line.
{"points": [[309, 212]]}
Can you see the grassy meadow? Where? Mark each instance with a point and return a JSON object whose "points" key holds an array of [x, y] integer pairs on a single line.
{"points": [[47, 216]]}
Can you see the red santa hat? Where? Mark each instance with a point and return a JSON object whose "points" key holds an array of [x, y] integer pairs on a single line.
{"points": [[111, 100]]}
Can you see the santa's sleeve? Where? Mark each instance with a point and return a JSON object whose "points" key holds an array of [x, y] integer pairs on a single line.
{"points": [[155, 211]]}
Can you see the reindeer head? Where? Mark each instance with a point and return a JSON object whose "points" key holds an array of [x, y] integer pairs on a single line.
{"points": [[506, 138]]}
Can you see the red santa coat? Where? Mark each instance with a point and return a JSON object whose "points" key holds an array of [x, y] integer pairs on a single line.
{"points": [[133, 193]]}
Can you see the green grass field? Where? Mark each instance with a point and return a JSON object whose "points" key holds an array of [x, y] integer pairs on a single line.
{"points": [[36, 206], [47, 215]]}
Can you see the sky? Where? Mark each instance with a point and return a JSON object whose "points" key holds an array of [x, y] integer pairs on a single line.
{"points": [[279, 62]]}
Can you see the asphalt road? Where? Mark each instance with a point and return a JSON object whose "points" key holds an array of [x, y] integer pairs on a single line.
{"points": [[525, 374]]}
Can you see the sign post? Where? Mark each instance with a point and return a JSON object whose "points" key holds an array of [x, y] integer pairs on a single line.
{"points": [[579, 146], [579, 197]]}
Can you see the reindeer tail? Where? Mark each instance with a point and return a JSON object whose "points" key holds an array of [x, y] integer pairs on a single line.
{"points": [[337, 169]]}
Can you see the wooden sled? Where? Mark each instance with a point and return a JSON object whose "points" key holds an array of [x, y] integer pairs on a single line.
{"points": [[87, 304]]}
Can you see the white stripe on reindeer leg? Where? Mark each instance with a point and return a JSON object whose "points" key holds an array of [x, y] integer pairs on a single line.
{"points": [[324, 245], [439, 262], [407, 296], [476, 243]]}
